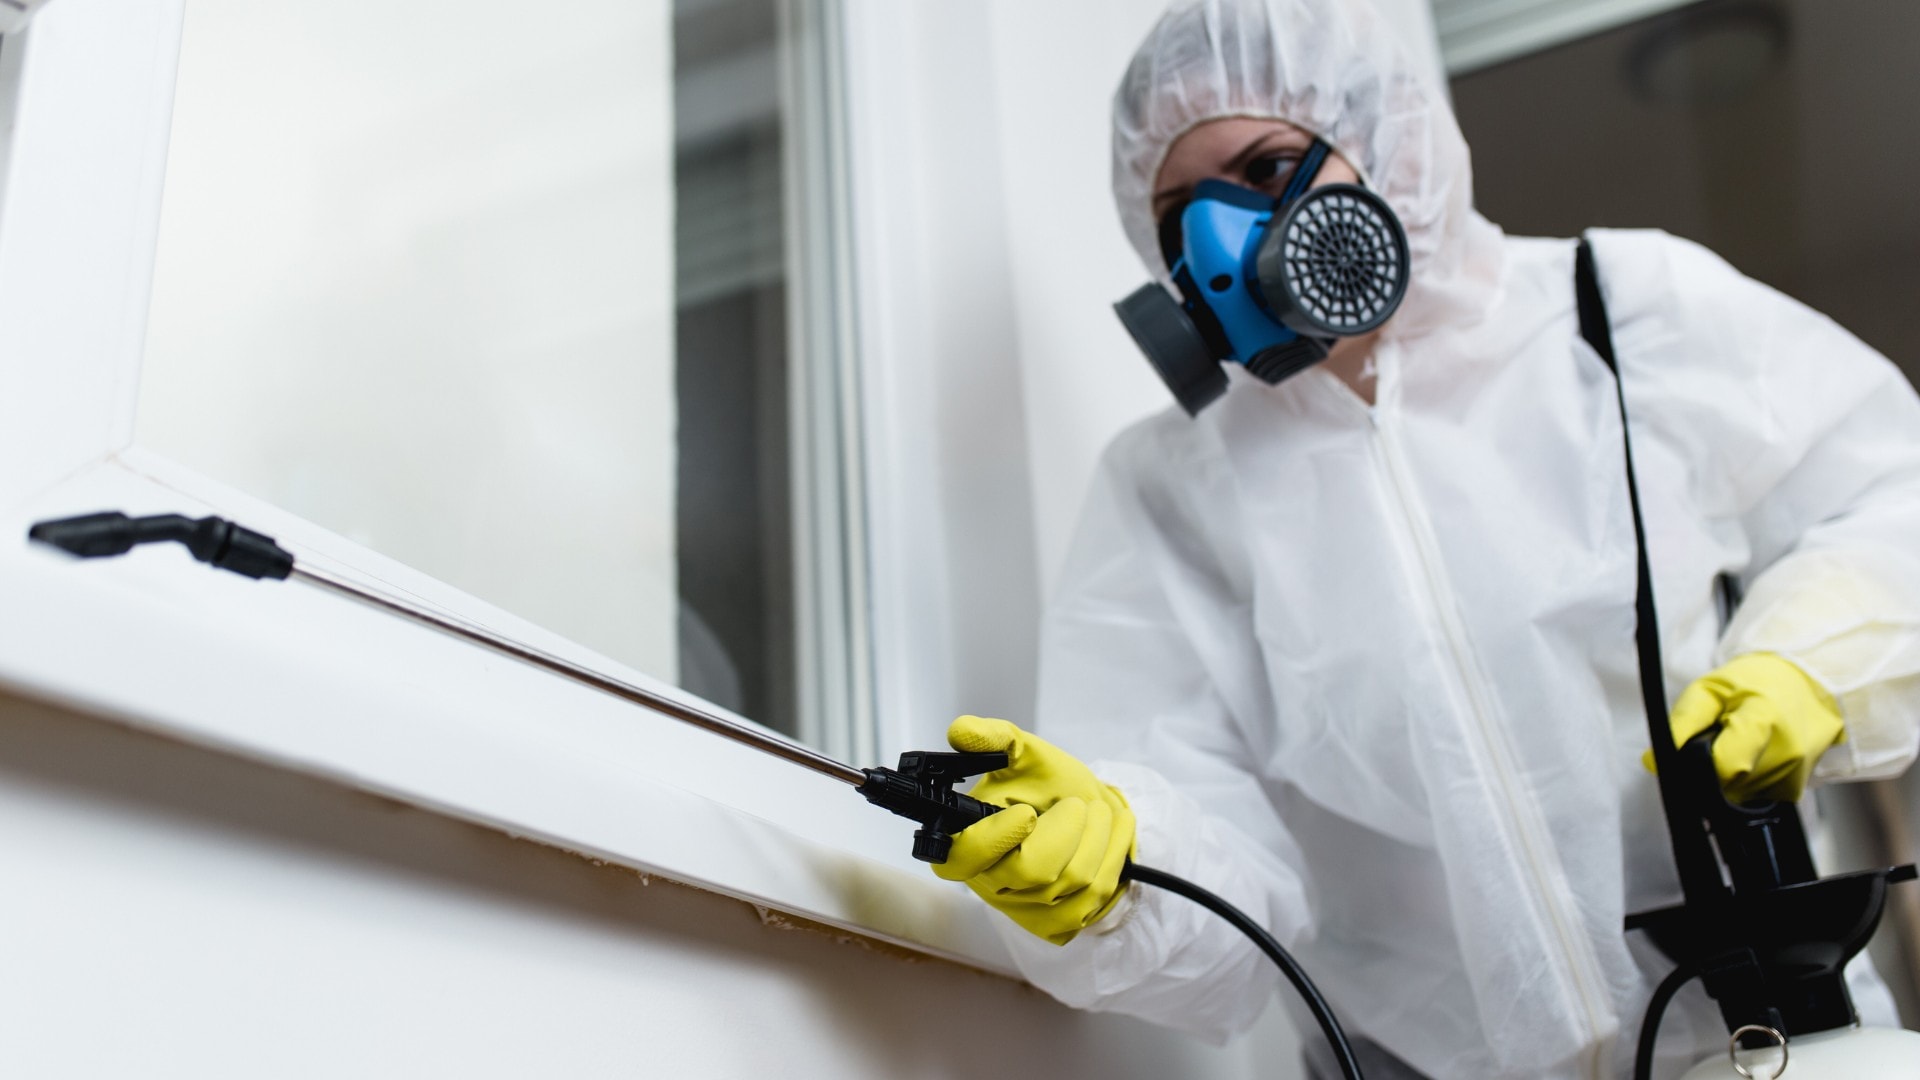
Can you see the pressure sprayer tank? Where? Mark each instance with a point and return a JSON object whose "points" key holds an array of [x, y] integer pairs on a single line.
{"points": [[1848, 1054], [1768, 937]]}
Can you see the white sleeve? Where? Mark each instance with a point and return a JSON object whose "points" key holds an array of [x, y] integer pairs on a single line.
{"points": [[1146, 644], [1816, 438]]}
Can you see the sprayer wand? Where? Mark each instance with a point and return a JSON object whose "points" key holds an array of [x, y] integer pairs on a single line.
{"points": [[921, 788]]}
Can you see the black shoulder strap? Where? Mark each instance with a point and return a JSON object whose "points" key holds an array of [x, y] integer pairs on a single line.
{"points": [[1689, 845], [1598, 332]]}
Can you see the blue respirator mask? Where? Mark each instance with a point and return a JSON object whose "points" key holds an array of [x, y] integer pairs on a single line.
{"points": [[1267, 283]]}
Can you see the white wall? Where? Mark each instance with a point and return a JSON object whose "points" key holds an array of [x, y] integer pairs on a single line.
{"points": [[951, 509], [173, 912], [1057, 65]]}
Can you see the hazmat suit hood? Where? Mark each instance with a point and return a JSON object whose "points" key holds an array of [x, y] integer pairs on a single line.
{"points": [[1335, 69]]}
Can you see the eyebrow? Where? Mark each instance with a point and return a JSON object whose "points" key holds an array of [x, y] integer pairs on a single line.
{"points": [[1259, 143]]}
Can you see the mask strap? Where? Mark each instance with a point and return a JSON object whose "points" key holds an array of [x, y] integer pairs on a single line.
{"points": [[1304, 173]]}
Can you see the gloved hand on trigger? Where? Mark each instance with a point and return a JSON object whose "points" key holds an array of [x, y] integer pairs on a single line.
{"points": [[1775, 722], [1052, 860]]}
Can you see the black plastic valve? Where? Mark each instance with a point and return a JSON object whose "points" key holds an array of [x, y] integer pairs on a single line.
{"points": [[922, 789], [1768, 936]]}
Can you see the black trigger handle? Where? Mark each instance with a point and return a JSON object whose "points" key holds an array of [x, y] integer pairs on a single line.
{"points": [[921, 788]]}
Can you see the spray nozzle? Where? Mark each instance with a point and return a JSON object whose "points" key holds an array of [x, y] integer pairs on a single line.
{"points": [[213, 540]]}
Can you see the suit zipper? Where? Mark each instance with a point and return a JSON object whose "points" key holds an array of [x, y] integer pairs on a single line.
{"points": [[1526, 826]]}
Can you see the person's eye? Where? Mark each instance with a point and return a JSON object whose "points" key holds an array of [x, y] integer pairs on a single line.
{"points": [[1270, 169]]}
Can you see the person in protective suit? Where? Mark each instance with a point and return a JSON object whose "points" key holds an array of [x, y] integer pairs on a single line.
{"points": [[1356, 650]]}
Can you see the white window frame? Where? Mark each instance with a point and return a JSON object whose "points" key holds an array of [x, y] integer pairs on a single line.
{"points": [[314, 683], [1475, 34]]}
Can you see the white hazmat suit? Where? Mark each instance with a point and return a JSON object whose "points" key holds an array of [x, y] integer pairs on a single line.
{"points": [[1369, 672]]}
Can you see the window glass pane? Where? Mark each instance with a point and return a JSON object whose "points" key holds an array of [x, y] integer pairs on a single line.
{"points": [[497, 291], [1783, 134], [734, 531]]}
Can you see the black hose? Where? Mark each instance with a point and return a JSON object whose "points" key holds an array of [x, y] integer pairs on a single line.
{"points": [[1650, 1024], [1322, 1012]]}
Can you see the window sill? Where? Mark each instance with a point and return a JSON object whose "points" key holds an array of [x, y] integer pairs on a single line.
{"points": [[315, 683], [297, 677]]}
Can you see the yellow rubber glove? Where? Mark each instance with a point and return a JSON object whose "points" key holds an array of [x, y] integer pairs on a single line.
{"points": [[1051, 861], [1775, 722]]}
